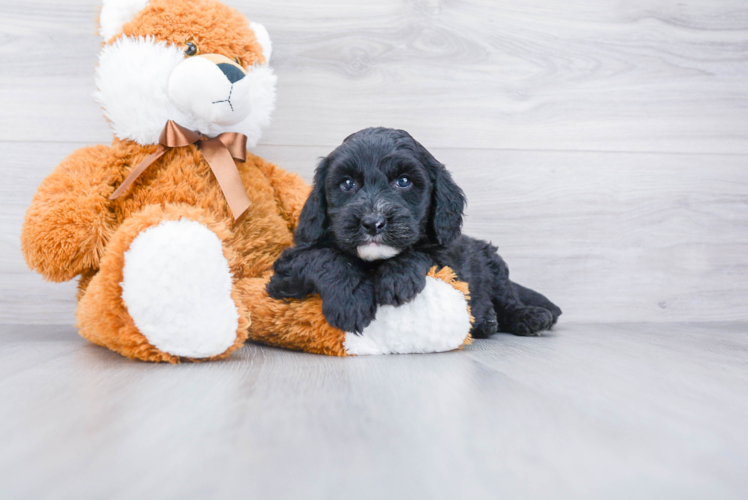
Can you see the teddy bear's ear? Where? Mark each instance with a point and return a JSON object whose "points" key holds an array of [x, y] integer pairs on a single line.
{"points": [[263, 38], [116, 13]]}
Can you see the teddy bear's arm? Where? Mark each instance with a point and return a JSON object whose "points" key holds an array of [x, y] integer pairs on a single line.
{"points": [[291, 191], [70, 220]]}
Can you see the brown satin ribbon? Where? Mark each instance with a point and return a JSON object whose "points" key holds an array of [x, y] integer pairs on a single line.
{"points": [[220, 153]]}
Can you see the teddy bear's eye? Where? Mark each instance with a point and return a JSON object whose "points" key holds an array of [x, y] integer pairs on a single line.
{"points": [[238, 61], [191, 49]]}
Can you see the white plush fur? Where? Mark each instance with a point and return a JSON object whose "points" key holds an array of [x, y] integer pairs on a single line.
{"points": [[198, 87], [177, 288], [263, 37], [116, 13], [376, 251], [132, 87], [436, 320]]}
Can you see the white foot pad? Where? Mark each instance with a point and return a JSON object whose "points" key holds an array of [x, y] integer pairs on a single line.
{"points": [[436, 320], [177, 288]]}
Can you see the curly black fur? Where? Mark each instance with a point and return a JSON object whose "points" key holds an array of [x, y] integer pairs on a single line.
{"points": [[381, 213]]}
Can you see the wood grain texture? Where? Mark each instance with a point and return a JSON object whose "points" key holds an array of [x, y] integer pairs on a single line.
{"points": [[541, 111], [639, 75], [595, 411], [608, 236]]}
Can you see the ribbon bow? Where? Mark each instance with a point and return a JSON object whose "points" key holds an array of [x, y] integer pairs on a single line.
{"points": [[219, 152]]}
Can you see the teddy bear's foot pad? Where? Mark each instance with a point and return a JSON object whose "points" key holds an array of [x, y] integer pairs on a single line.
{"points": [[437, 320], [177, 288]]}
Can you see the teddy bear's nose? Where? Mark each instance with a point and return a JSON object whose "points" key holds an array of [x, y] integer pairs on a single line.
{"points": [[233, 73]]}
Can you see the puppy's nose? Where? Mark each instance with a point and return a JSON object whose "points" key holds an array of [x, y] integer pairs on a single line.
{"points": [[374, 224], [233, 73]]}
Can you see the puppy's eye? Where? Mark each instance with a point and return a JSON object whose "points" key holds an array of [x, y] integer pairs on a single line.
{"points": [[191, 49], [238, 61], [347, 185], [404, 182]]}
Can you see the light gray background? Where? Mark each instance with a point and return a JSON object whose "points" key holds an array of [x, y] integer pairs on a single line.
{"points": [[602, 145]]}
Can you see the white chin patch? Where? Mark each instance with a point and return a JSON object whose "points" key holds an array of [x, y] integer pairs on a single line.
{"points": [[142, 83], [376, 251], [198, 87], [436, 320]]}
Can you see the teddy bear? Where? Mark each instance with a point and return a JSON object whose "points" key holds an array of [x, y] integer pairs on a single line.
{"points": [[174, 227]]}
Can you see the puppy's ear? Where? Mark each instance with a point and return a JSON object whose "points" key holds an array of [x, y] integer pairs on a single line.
{"points": [[447, 201], [313, 219]]}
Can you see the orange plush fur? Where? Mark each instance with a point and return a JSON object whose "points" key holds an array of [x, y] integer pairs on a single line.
{"points": [[73, 229], [213, 27], [66, 234]]}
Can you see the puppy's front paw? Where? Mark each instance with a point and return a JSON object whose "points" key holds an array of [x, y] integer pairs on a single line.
{"points": [[351, 313], [285, 287], [530, 321], [397, 288], [278, 287]]}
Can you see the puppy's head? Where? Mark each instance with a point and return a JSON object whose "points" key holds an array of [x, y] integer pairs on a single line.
{"points": [[379, 193]]}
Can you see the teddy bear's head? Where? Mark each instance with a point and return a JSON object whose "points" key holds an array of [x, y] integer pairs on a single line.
{"points": [[196, 62]]}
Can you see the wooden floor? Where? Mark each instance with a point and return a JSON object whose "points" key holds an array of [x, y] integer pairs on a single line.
{"points": [[589, 411]]}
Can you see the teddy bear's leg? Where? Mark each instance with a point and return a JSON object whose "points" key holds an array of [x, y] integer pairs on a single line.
{"points": [[437, 320], [165, 291]]}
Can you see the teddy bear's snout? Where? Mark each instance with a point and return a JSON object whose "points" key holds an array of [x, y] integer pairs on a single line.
{"points": [[211, 87]]}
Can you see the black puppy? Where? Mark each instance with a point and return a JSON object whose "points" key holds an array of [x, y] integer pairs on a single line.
{"points": [[382, 212]]}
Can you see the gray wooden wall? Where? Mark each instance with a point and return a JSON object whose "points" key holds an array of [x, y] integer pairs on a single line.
{"points": [[602, 143]]}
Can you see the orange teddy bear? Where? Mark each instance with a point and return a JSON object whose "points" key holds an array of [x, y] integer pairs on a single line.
{"points": [[173, 229]]}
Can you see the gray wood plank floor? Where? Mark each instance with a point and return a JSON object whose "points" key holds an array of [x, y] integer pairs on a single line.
{"points": [[589, 411]]}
